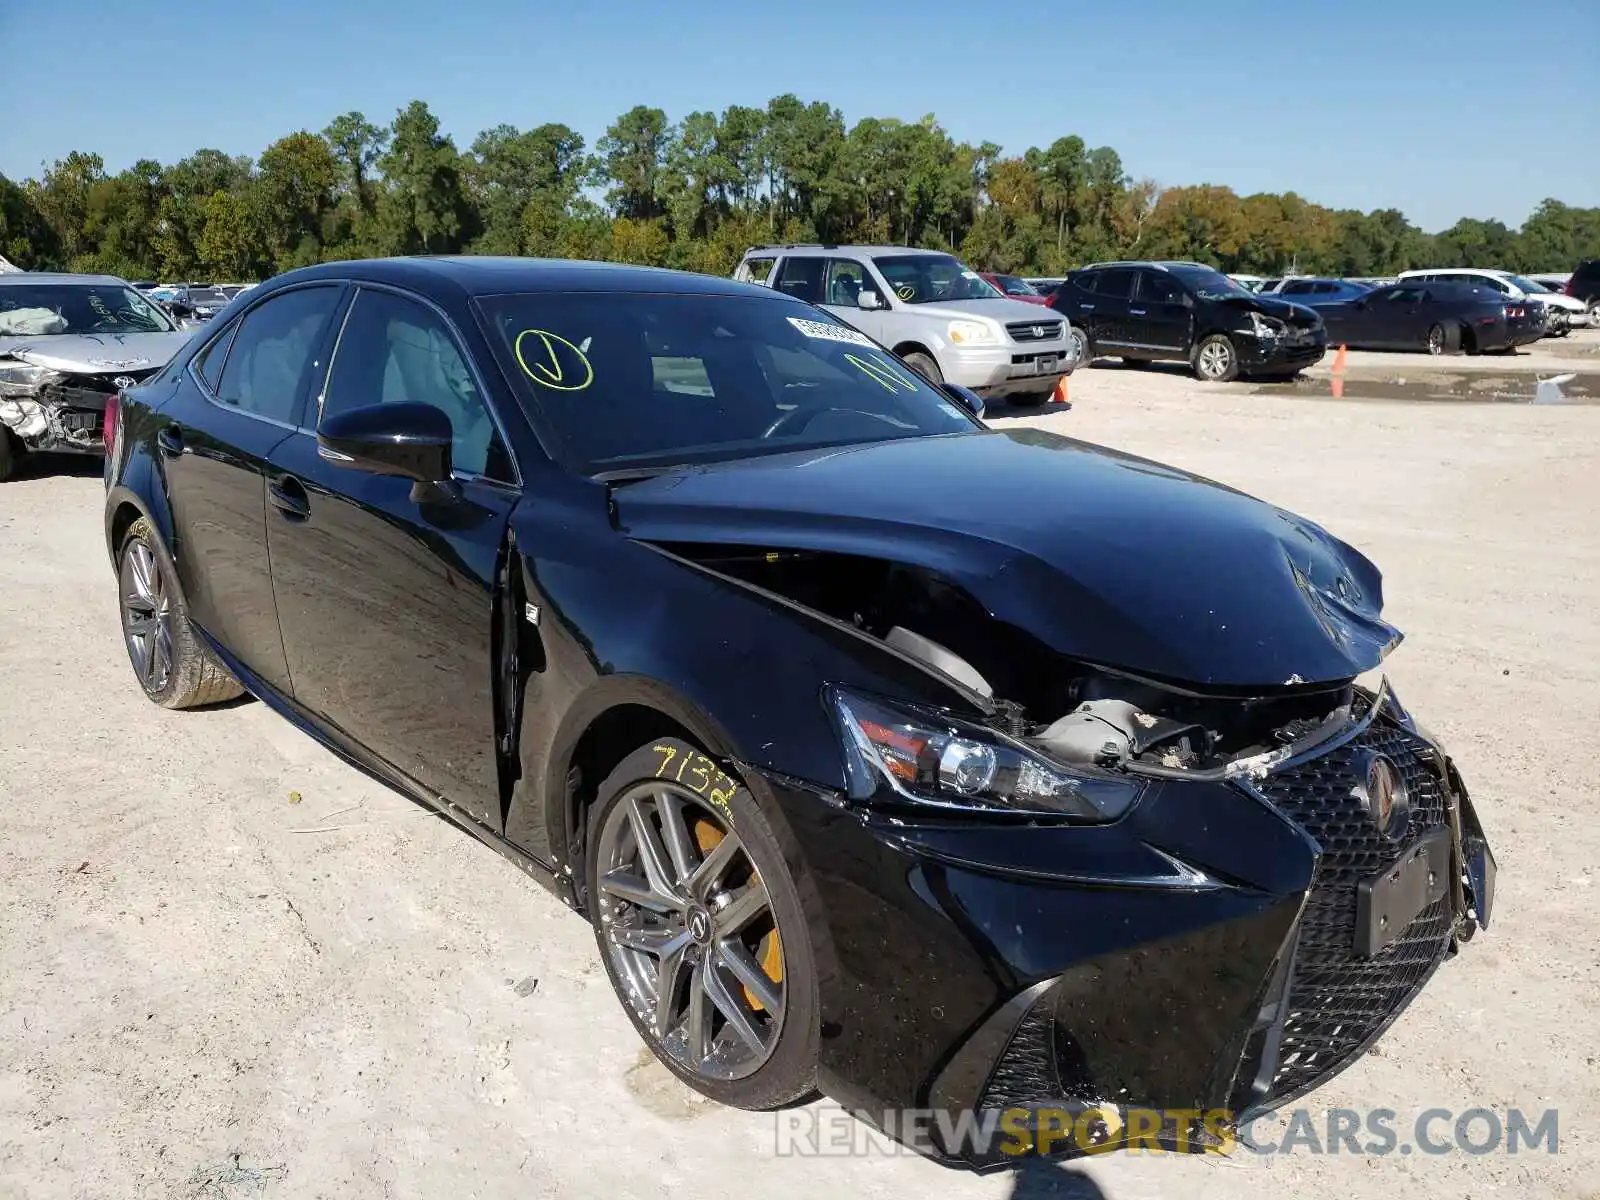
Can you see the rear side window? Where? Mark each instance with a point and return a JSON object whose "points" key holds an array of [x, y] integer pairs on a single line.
{"points": [[802, 279], [758, 269], [1299, 287], [208, 363], [274, 352], [1116, 283]]}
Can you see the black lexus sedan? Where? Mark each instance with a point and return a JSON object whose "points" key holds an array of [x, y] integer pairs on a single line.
{"points": [[1439, 317], [932, 766]]}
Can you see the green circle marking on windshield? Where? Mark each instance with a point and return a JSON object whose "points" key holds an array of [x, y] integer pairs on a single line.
{"points": [[905, 291], [889, 378], [565, 367]]}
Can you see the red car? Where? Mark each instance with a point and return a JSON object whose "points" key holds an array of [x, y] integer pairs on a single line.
{"points": [[1015, 288]]}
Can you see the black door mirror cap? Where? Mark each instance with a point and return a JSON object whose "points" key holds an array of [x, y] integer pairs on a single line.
{"points": [[408, 440], [965, 397]]}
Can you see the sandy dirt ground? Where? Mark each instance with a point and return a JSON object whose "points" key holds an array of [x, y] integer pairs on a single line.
{"points": [[230, 966]]}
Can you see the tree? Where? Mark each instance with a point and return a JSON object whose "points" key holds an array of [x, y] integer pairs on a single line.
{"points": [[293, 194], [631, 156], [425, 208]]}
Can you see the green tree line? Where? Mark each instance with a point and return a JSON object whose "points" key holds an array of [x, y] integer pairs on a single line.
{"points": [[694, 193]]}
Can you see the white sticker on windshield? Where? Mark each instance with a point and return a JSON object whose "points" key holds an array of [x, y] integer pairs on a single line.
{"points": [[828, 332]]}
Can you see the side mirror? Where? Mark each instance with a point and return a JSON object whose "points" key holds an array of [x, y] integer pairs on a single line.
{"points": [[870, 301], [409, 440], [966, 397]]}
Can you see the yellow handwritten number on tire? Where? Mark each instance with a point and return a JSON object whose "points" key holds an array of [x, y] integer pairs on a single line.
{"points": [[550, 371]]}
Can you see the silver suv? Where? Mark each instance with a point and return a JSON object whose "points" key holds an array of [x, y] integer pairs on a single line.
{"points": [[929, 308]]}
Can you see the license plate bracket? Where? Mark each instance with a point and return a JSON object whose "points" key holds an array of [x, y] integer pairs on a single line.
{"points": [[1045, 363], [1387, 903]]}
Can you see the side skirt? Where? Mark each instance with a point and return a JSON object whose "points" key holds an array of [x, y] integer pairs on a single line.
{"points": [[375, 767]]}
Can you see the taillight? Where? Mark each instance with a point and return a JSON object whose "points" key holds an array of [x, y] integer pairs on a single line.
{"points": [[113, 421], [1572, 281]]}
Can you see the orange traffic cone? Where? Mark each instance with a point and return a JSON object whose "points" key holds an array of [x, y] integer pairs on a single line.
{"points": [[1338, 374], [1061, 396]]}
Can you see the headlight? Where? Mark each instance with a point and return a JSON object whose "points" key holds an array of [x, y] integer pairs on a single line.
{"points": [[25, 381], [1267, 327], [933, 759], [972, 333]]}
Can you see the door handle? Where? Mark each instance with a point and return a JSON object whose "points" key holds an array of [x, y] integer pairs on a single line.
{"points": [[170, 440], [1087, 307], [1136, 312], [289, 497]]}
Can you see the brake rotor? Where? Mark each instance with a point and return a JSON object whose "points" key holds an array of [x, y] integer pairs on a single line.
{"points": [[769, 954]]}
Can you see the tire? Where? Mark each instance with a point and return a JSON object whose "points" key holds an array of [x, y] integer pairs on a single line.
{"points": [[923, 365], [1080, 339], [671, 780], [10, 454], [1594, 313], [173, 666], [1438, 340], [1216, 359]]}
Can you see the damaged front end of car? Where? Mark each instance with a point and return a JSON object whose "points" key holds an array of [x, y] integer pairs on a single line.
{"points": [[1160, 852], [53, 402]]}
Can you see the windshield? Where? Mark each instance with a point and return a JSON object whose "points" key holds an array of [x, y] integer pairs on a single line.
{"points": [[39, 309], [933, 278], [1209, 284], [1012, 286], [628, 380], [1526, 285]]}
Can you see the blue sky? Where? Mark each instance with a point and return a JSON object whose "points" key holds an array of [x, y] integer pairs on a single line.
{"points": [[1467, 108]]}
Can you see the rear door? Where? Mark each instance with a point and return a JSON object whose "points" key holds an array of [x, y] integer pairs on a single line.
{"points": [[237, 402], [386, 590], [1111, 305], [1159, 318]]}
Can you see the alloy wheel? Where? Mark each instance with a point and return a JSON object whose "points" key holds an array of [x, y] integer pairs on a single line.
{"points": [[1436, 340], [1080, 342], [691, 931], [146, 617], [1215, 360]]}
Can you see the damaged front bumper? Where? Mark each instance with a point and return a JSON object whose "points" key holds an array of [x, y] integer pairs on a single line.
{"points": [[1226, 947], [58, 412]]}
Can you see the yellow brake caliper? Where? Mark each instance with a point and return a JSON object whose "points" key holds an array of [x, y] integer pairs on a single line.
{"points": [[707, 835]]}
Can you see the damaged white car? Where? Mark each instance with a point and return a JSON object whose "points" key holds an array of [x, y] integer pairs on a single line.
{"points": [[68, 343]]}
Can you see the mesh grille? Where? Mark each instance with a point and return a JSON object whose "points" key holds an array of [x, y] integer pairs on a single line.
{"points": [[1337, 1001], [1035, 331]]}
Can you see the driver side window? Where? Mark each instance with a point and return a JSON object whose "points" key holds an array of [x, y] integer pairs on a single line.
{"points": [[395, 351], [846, 281]]}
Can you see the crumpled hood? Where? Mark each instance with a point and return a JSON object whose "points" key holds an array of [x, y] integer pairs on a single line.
{"points": [[1107, 558], [95, 353], [1272, 306]]}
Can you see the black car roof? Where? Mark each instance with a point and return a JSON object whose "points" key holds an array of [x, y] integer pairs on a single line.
{"points": [[485, 275]]}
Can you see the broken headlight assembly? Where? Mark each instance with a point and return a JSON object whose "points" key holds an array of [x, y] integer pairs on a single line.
{"points": [[930, 758], [21, 380], [1266, 327]]}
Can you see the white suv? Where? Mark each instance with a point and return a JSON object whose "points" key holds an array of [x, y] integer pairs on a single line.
{"points": [[929, 308]]}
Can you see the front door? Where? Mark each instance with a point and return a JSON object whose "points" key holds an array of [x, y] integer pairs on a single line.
{"points": [[236, 404], [386, 590], [1158, 317]]}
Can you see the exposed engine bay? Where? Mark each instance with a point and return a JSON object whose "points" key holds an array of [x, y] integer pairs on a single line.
{"points": [[59, 411], [1076, 712]]}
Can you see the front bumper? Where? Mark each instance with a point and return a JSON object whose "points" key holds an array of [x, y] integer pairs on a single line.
{"points": [[1266, 356], [970, 968], [1010, 369], [62, 419]]}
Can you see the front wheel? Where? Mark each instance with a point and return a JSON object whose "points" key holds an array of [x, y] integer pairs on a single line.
{"points": [[174, 667], [1083, 346], [10, 453], [924, 365], [1216, 360], [1437, 340], [700, 928]]}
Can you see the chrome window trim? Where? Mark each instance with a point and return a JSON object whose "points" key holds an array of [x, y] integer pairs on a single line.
{"points": [[454, 333]]}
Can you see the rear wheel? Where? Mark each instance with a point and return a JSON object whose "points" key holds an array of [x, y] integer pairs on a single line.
{"points": [[700, 928], [1437, 340], [923, 365], [1216, 360], [171, 663]]}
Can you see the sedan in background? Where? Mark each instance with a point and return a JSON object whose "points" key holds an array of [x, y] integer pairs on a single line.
{"points": [[68, 343], [1014, 286], [887, 754], [1317, 292], [1441, 318]]}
